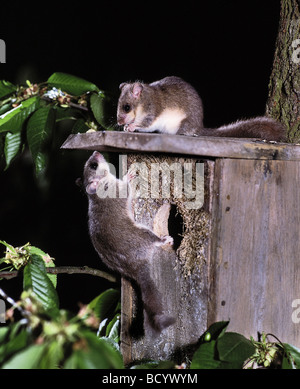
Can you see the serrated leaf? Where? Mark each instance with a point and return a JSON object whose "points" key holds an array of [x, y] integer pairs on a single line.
{"points": [[48, 261], [6, 88], [13, 120], [39, 130], [36, 278], [11, 146], [71, 84]]}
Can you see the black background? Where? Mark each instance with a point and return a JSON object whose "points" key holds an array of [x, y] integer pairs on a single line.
{"points": [[224, 49]]}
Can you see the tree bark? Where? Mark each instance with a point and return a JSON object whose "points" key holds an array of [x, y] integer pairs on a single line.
{"points": [[284, 87]]}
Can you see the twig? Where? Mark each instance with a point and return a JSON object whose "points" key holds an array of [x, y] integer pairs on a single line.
{"points": [[65, 269], [80, 270], [9, 274]]}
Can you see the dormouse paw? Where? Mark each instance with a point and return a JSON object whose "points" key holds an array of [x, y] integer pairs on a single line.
{"points": [[129, 127], [129, 176], [168, 240]]}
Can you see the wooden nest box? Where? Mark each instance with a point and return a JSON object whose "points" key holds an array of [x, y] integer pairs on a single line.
{"points": [[236, 254]]}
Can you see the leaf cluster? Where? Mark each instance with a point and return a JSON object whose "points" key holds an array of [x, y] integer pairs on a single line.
{"points": [[48, 337], [219, 349], [29, 114]]}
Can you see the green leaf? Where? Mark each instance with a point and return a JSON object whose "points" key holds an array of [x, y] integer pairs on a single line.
{"points": [[26, 359], [217, 330], [6, 88], [97, 107], [12, 146], [234, 348], [291, 359], [10, 247], [36, 278], [5, 108], [96, 354], [48, 261], [53, 356], [3, 332], [71, 84], [39, 130], [13, 343], [13, 120], [204, 357], [223, 351], [104, 304], [113, 329]]}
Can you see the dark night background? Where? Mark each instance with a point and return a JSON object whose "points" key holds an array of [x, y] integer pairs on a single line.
{"points": [[223, 48]]}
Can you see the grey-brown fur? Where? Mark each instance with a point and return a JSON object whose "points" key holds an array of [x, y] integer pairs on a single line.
{"points": [[148, 102], [156, 97], [122, 244]]}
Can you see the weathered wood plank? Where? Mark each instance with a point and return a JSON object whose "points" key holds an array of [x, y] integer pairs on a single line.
{"points": [[255, 269], [127, 297], [184, 145]]}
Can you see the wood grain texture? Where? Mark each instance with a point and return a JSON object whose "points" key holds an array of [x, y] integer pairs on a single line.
{"points": [[256, 247], [185, 145]]}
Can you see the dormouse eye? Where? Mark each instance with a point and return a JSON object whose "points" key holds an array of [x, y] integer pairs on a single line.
{"points": [[93, 165], [126, 108]]}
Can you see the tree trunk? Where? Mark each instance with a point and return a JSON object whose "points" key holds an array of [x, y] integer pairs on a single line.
{"points": [[284, 87]]}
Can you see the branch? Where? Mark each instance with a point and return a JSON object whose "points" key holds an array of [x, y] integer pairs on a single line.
{"points": [[78, 106], [67, 270], [80, 270]]}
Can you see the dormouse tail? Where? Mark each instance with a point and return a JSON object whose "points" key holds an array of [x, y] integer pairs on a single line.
{"points": [[153, 305], [259, 127]]}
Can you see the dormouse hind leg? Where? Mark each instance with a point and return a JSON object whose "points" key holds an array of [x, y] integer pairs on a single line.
{"points": [[187, 128], [167, 240]]}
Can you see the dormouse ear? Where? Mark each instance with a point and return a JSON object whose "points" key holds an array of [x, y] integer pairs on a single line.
{"points": [[121, 86], [79, 182], [137, 89]]}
